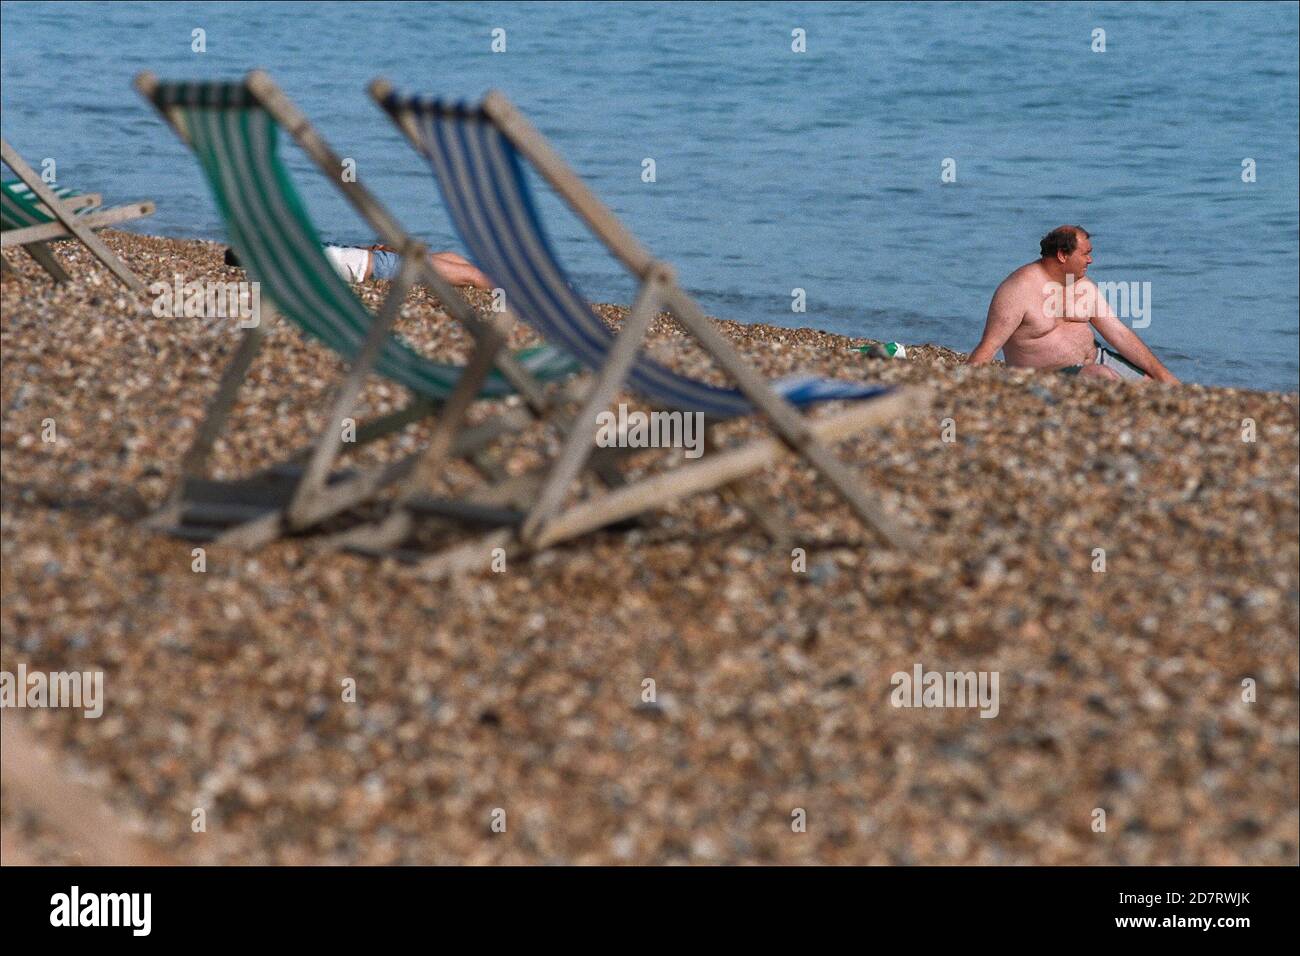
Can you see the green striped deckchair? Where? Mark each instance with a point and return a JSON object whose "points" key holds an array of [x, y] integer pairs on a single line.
{"points": [[34, 213], [233, 129], [19, 206]]}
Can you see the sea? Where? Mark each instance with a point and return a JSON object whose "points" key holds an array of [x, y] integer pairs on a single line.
{"points": [[868, 169]]}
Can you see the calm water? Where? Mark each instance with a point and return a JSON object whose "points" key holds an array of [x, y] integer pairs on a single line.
{"points": [[775, 170]]}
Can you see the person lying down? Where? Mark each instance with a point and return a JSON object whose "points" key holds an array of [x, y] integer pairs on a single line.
{"points": [[356, 264]]}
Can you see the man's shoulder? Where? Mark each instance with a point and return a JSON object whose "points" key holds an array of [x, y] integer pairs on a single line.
{"points": [[1028, 278]]}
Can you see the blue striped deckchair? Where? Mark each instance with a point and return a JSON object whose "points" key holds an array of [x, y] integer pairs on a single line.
{"points": [[233, 128], [477, 155], [33, 213]]}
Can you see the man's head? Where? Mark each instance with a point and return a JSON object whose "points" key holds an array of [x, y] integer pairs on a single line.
{"points": [[1067, 250]]}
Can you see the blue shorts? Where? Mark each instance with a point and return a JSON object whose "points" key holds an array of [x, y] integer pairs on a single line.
{"points": [[383, 265]]}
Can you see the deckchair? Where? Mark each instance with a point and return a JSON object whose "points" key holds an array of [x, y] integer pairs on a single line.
{"points": [[72, 199], [477, 155], [233, 128], [32, 213]]}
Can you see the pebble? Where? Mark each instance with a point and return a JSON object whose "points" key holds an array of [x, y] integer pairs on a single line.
{"points": [[1119, 689]]}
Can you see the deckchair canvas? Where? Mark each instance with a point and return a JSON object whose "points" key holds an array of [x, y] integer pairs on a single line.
{"points": [[233, 128], [476, 154], [29, 208], [32, 213]]}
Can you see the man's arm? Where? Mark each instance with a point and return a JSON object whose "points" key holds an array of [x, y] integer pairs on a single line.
{"points": [[1003, 319], [1127, 343]]}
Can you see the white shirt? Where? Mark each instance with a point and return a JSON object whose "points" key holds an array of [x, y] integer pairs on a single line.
{"points": [[352, 264]]}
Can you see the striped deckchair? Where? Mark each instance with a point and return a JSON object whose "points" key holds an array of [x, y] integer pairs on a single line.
{"points": [[477, 155], [233, 128], [31, 210], [33, 213]]}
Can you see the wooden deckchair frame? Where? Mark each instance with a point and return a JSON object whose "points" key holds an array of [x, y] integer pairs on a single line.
{"points": [[68, 224], [302, 491], [547, 522]]}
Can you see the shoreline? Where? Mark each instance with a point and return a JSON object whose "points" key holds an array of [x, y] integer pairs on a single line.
{"points": [[1120, 688], [930, 351]]}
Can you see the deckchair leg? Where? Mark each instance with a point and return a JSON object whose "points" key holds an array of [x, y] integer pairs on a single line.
{"points": [[578, 445], [746, 495], [397, 525], [312, 500], [504, 492], [452, 302], [194, 463], [453, 413], [470, 555], [69, 219], [849, 485], [720, 469], [40, 251], [792, 427]]}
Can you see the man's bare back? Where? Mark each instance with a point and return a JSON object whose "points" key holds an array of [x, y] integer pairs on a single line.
{"points": [[1043, 316]]}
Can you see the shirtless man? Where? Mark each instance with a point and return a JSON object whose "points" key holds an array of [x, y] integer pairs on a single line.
{"points": [[1023, 323]]}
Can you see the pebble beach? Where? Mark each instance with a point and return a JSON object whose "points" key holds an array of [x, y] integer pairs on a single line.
{"points": [[503, 717]]}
